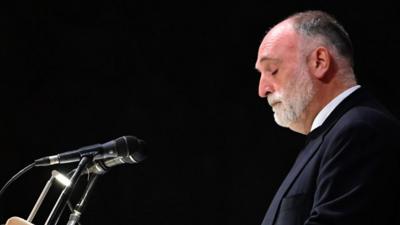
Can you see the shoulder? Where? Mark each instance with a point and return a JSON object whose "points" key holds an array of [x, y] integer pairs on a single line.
{"points": [[369, 118], [361, 108], [363, 129]]}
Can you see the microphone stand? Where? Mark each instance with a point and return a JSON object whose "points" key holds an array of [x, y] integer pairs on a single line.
{"points": [[41, 197], [66, 193], [77, 212]]}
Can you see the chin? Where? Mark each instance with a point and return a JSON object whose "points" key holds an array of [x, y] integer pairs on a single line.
{"points": [[280, 122]]}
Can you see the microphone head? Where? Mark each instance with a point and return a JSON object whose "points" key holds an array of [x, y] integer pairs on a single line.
{"points": [[122, 146], [135, 147], [131, 149], [140, 152], [130, 144]]}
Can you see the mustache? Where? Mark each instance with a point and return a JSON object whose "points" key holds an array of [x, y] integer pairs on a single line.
{"points": [[274, 98]]}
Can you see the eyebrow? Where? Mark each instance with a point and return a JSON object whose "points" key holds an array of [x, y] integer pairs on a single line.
{"points": [[266, 58]]}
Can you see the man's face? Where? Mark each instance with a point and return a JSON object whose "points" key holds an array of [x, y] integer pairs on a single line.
{"points": [[285, 80], [293, 97]]}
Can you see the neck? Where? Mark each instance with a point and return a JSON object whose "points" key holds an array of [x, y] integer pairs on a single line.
{"points": [[325, 93]]}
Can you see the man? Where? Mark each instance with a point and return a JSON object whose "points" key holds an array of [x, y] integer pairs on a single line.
{"points": [[348, 172]]}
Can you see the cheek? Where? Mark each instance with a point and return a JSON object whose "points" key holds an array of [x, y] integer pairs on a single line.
{"points": [[285, 81], [293, 75], [289, 89]]}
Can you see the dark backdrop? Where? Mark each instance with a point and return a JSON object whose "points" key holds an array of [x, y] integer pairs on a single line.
{"points": [[178, 75]]}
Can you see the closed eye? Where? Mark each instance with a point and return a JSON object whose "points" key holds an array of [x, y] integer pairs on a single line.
{"points": [[275, 72]]}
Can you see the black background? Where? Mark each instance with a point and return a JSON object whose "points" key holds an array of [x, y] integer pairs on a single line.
{"points": [[178, 75]]}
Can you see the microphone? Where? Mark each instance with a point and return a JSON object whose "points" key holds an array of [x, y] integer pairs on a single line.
{"points": [[102, 166], [120, 147]]}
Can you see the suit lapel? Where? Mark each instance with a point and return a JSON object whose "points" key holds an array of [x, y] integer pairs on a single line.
{"points": [[304, 156]]}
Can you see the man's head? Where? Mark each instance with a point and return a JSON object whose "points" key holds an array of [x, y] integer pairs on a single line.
{"points": [[305, 61]]}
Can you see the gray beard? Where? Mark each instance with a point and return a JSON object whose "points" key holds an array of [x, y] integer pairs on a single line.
{"points": [[294, 100]]}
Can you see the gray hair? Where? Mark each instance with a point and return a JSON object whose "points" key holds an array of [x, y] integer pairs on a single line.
{"points": [[319, 24]]}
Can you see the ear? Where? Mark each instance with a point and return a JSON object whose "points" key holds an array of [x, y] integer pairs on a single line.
{"points": [[319, 62]]}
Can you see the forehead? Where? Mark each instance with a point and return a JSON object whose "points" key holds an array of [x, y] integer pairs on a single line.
{"points": [[279, 43]]}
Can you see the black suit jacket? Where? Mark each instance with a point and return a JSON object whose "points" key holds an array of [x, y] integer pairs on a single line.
{"points": [[348, 172]]}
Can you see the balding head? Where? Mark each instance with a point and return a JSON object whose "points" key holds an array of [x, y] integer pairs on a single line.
{"points": [[320, 25], [301, 70], [281, 39]]}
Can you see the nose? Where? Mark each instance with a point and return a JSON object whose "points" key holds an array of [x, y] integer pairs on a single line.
{"points": [[264, 87]]}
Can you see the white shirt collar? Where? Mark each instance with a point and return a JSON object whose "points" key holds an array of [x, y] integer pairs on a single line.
{"points": [[324, 113]]}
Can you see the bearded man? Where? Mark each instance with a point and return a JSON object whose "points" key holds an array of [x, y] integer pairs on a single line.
{"points": [[348, 171]]}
